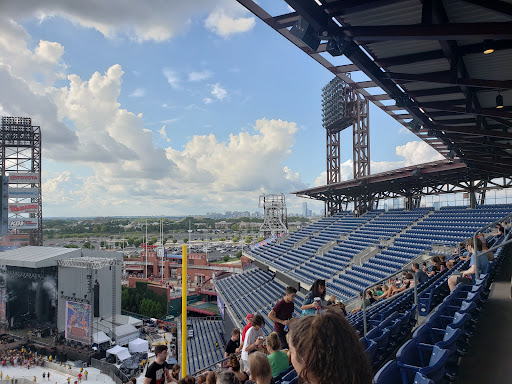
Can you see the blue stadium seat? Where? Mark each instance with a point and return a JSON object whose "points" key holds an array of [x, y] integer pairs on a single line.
{"points": [[409, 360]]}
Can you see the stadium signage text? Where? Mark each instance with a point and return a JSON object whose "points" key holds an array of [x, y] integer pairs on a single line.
{"points": [[21, 193], [23, 178], [23, 208], [21, 223]]}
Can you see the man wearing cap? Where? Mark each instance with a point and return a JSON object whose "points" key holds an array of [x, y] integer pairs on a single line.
{"points": [[248, 319]]}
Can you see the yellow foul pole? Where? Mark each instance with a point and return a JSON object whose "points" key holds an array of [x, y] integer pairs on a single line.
{"points": [[184, 280]]}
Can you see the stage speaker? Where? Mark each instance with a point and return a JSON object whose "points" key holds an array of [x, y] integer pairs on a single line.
{"points": [[96, 300]]}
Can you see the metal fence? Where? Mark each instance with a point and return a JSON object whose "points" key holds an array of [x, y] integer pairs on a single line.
{"points": [[111, 370]]}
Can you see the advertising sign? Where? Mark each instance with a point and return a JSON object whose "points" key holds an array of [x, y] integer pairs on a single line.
{"points": [[23, 178], [23, 223], [77, 322], [220, 306], [23, 208], [3, 305], [21, 193]]}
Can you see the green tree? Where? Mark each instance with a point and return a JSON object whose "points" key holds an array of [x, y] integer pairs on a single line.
{"points": [[131, 241], [248, 239], [226, 258], [137, 243], [87, 245], [174, 241], [261, 238], [222, 239], [185, 240], [238, 254], [236, 239]]}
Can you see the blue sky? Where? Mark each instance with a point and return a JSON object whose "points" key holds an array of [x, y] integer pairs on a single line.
{"points": [[172, 108]]}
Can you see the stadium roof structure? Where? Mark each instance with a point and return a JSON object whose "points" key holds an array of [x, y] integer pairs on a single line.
{"points": [[433, 178], [36, 257], [440, 68]]}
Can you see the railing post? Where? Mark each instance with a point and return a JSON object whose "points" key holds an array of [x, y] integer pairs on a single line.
{"points": [[416, 294], [363, 306], [184, 281]]}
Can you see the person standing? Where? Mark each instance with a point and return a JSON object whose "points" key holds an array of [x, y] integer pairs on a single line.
{"points": [[233, 345], [312, 301], [248, 319], [253, 340], [281, 315], [158, 372]]}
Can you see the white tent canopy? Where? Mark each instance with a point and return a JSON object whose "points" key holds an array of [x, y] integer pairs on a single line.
{"points": [[138, 345], [123, 355], [115, 350], [100, 337]]}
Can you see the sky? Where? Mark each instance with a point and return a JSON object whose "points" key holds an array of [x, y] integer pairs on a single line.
{"points": [[168, 107]]}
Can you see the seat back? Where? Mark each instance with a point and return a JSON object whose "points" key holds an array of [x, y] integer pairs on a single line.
{"points": [[388, 374], [436, 368], [420, 379]]}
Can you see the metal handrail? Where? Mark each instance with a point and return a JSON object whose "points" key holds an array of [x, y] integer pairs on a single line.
{"points": [[475, 251], [363, 306]]}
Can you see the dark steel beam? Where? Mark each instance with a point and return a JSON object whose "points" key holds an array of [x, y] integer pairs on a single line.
{"points": [[471, 131], [434, 92], [439, 54], [451, 31], [495, 5], [345, 68], [440, 106], [445, 77]]}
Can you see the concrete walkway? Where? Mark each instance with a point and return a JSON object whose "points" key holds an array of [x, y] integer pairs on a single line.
{"points": [[490, 356]]}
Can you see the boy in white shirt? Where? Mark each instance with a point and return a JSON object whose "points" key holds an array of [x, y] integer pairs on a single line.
{"points": [[253, 340]]}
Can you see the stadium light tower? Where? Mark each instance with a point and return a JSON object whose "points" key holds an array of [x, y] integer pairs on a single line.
{"points": [[20, 158], [342, 107]]}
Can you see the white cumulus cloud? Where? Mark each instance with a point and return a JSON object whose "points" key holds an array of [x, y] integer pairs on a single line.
{"points": [[226, 22], [199, 76], [219, 92]]}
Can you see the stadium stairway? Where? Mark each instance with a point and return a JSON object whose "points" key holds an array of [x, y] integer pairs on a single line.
{"points": [[493, 329]]}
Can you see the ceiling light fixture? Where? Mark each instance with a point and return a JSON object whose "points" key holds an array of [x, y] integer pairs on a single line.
{"points": [[499, 101]]}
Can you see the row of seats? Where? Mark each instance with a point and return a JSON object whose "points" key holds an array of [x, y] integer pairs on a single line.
{"points": [[206, 347], [433, 353]]}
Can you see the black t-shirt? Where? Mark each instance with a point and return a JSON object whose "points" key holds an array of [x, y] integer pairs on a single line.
{"points": [[231, 346], [157, 372]]}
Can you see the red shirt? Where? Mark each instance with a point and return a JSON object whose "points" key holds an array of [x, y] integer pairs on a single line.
{"points": [[246, 328], [284, 311]]}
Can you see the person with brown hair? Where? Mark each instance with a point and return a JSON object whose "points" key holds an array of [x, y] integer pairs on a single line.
{"points": [[233, 345], [175, 372], [253, 339], [261, 372], [187, 380], [233, 365], [278, 359], [211, 377], [158, 372], [325, 349]]}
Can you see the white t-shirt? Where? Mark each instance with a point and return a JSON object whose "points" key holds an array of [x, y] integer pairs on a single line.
{"points": [[250, 338]]}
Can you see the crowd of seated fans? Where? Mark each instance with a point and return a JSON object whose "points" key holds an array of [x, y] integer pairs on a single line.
{"points": [[321, 345]]}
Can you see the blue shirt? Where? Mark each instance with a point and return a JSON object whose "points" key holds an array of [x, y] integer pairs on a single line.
{"points": [[421, 276], [482, 262]]}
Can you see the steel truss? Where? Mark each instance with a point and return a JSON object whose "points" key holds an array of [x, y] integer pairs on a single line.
{"points": [[275, 214], [344, 106], [20, 151], [88, 262], [26, 275]]}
